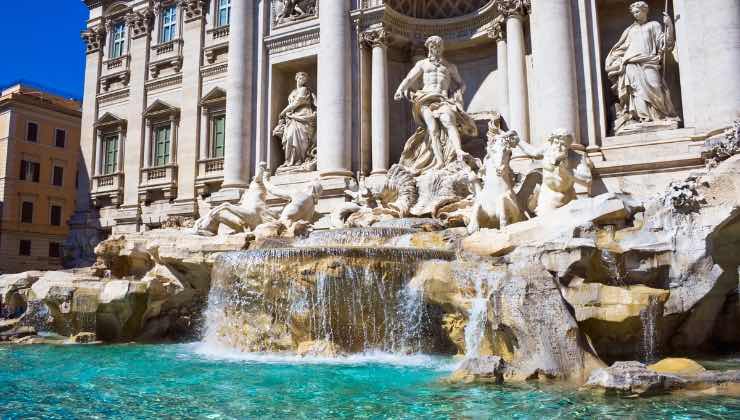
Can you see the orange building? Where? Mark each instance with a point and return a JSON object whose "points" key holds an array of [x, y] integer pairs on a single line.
{"points": [[39, 153]]}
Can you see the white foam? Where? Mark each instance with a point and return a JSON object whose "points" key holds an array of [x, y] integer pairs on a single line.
{"points": [[222, 353]]}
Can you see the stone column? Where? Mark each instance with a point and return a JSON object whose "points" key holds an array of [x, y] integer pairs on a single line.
{"points": [[380, 118], [498, 34], [205, 131], [147, 160], [98, 154], [239, 97], [554, 65], [514, 12], [366, 143], [334, 90], [173, 140], [121, 155]]}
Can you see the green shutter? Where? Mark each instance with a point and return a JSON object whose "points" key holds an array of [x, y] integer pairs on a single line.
{"points": [[162, 146], [110, 154], [219, 136]]}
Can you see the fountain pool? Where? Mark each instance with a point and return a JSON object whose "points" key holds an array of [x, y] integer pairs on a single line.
{"points": [[197, 381]]}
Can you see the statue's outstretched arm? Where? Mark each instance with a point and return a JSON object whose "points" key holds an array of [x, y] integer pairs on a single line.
{"points": [[275, 191], [531, 151], [403, 90]]}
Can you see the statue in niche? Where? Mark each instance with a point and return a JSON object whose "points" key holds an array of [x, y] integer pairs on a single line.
{"points": [[297, 128], [295, 9], [635, 65], [438, 112], [558, 178]]}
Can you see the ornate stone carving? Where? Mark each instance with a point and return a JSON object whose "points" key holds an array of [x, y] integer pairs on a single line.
{"points": [[375, 38], [297, 128], [717, 150], [94, 38], [514, 8], [251, 211], [193, 9], [293, 10], [140, 22], [498, 29], [496, 204], [558, 178], [634, 67], [440, 116]]}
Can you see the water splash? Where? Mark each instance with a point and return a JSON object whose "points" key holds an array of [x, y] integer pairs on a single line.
{"points": [[485, 284], [372, 236]]}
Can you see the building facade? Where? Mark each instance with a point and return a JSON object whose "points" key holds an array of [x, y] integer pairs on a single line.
{"points": [[182, 97], [39, 155]]}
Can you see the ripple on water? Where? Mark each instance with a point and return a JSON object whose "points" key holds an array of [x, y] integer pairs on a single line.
{"points": [[144, 381]]}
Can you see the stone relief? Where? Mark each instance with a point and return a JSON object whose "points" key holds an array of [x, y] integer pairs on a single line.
{"points": [[292, 10], [636, 67], [297, 128], [719, 149], [441, 119]]}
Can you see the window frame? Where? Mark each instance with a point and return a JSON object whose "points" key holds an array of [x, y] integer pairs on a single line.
{"points": [[58, 247], [223, 6], [56, 137], [23, 211], [167, 145], [214, 146], [21, 248], [28, 131], [108, 139], [116, 41], [51, 214], [54, 175], [168, 29], [32, 172]]}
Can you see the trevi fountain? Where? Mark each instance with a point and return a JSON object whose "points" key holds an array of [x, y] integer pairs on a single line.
{"points": [[517, 242]]}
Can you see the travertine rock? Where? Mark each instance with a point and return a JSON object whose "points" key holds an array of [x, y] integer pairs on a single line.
{"points": [[487, 369], [677, 366]]}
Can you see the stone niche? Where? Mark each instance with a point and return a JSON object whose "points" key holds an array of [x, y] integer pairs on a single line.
{"points": [[613, 17], [282, 84], [477, 63]]}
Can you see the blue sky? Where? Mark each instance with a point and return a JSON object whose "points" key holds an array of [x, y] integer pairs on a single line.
{"points": [[40, 44]]}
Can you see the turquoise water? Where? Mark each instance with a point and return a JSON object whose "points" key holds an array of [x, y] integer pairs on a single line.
{"points": [[171, 381]]}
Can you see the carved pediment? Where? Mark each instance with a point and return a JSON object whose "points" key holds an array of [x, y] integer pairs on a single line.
{"points": [[160, 108], [109, 120], [213, 97]]}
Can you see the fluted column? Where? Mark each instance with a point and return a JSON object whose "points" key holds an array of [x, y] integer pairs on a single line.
{"points": [[239, 97], [554, 66], [498, 34], [380, 118], [334, 91], [514, 12]]}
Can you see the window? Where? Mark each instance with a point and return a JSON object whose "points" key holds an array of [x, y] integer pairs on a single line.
{"points": [[56, 215], [27, 212], [219, 136], [169, 24], [58, 176], [25, 247], [118, 40], [60, 137], [55, 249], [30, 171], [224, 12], [110, 154], [32, 132], [162, 145]]}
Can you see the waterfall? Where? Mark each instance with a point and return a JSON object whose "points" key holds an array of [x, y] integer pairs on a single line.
{"points": [[357, 298], [475, 329], [485, 283], [649, 319]]}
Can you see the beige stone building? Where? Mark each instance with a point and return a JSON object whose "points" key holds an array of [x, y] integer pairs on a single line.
{"points": [[182, 97], [39, 155]]}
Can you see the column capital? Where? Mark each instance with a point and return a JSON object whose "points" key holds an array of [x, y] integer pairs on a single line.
{"points": [[514, 8], [379, 37], [498, 29], [140, 22], [94, 38]]}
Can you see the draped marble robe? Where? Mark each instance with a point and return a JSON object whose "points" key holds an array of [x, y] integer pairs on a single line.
{"points": [[634, 66]]}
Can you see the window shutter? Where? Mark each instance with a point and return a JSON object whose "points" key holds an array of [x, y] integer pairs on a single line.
{"points": [[24, 170], [36, 171]]}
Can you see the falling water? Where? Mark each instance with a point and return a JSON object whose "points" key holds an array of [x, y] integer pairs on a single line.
{"points": [[649, 318], [372, 236], [357, 298], [484, 283]]}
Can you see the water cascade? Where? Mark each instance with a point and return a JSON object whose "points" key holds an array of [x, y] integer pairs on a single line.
{"points": [[649, 340], [355, 297]]}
